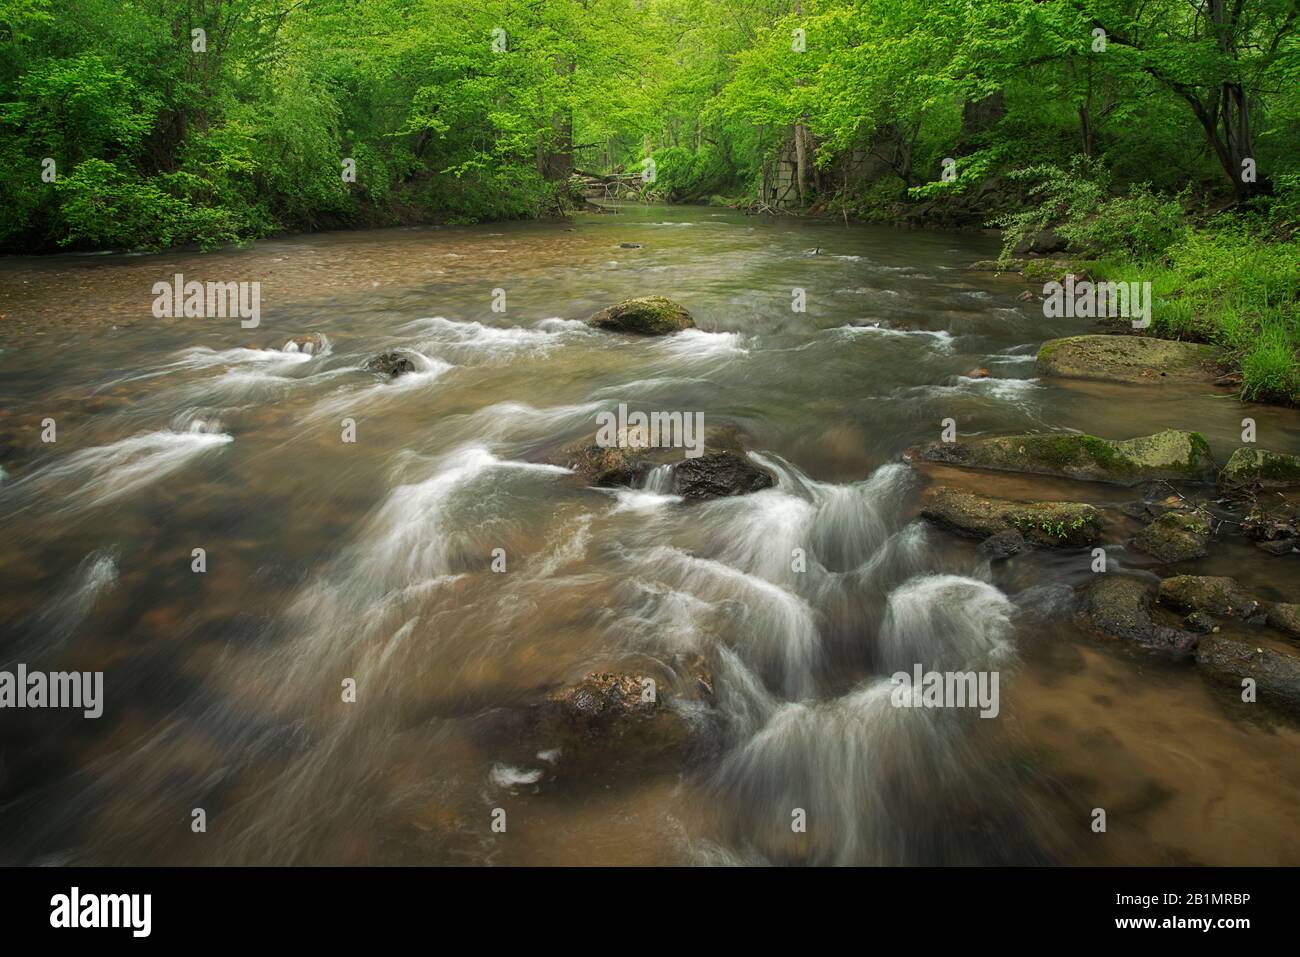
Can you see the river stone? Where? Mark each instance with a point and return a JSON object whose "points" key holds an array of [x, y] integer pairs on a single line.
{"points": [[1210, 595], [1229, 661], [1136, 359], [717, 475], [1259, 468], [312, 344], [646, 316], [390, 364], [609, 717], [605, 466], [1285, 617], [1166, 455], [1175, 536], [1004, 544], [1121, 607], [1054, 524]]}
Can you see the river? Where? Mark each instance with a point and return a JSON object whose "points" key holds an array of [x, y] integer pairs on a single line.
{"points": [[371, 560]]}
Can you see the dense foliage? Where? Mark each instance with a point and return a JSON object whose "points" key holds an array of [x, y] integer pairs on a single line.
{"points": [[1122, 124]]}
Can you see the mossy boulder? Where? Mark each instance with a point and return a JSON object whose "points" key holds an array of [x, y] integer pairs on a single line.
{"points": [[646, 316], [1176, 536], [1259, 468], [1120, 607], [1229, 661], [1050, 524], [1209, 595], [1133, 359], [1166, 455]]}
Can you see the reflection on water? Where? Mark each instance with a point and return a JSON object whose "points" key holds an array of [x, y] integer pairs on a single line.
{"points": [[372, 561]]}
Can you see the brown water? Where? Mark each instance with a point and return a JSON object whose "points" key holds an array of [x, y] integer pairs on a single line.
{"points": [[371, 560]]}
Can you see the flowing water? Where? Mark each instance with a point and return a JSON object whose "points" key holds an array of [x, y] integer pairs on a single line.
{"points": [[372, 560]]}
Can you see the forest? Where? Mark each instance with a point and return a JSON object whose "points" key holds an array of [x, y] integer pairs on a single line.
{"points": [[1165, 133]]}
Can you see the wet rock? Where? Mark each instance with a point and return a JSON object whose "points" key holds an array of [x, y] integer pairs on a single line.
{"points": [[1051, 524], [1026, 296], [1166, 455], [629, 245], [610, 718], [646, 316], [719, 474], [312, 344], [1044, 242], [1200, 623], [978, 373], [1232, 380], [1284, 617], [1004, 544], [1273, 526], [1133, 359], [1229, 660], [606, 467], [1283, 546], [1259, 468], [1210, 595], [390, 364], [1121, 607], [1176, 536]]}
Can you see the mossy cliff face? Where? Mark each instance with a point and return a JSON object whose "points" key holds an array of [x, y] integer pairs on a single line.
{"points": [[646, 316], [1183, 456], [1259, 467], [1126, 359]]}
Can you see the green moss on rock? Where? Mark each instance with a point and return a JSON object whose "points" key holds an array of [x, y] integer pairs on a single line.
{"points": [[1132, 359], [646, 316], [1262, 468], [1166, 455]]}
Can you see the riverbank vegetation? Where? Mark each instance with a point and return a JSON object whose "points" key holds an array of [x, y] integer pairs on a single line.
{"points": [[1161, 137]]}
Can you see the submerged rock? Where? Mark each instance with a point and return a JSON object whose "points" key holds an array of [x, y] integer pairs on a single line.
{"points": [[610, 718], [1166, 455], [646, 316], [1176, 536], [1121, 607], [1230, 660], [1004, 544], [1053, 524], [1259, 468], [390, 364], [1134, 359], [717, 475]]}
